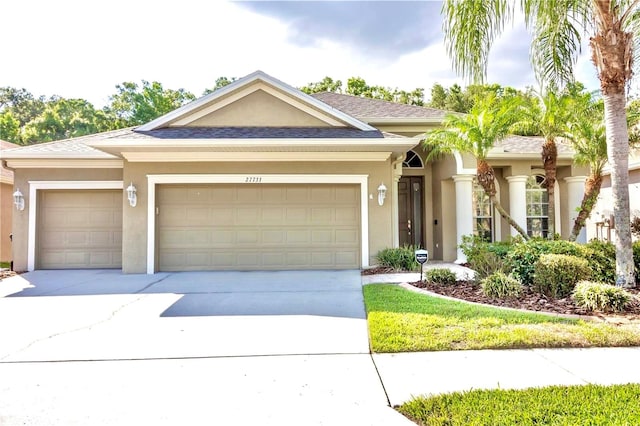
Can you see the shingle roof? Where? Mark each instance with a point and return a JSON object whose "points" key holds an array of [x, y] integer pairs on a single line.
{"points": [[529, 145], [4, 173], [366, 108], [253, 133], [73, 147]]}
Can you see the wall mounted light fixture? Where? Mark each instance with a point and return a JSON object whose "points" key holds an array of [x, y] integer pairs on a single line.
{"points": [[131, 195], [382, 193], [18, 200]]}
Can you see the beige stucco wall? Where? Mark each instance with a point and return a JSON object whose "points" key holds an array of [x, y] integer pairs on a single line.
{"points": [[6, 211], [135, 219], [21, 219], [259, 109], [443, 202]]}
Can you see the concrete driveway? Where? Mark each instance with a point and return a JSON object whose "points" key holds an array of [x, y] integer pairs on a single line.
{"points": [[106, 315], [232, 348]]}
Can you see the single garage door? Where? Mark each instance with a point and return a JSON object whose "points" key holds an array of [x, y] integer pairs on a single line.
{"points": [[79, 229], [258, 227]]}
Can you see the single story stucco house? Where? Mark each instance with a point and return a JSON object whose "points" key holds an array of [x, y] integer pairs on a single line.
{"points": [[259, 175]]}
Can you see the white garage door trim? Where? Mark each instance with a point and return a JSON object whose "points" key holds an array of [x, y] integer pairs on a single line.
{"points": [[154, 180], [35, 186]]}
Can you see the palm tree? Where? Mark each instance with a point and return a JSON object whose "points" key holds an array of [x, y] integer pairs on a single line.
{"points": [[547, 118], [586, 131], [471, 27], [475, 133]]}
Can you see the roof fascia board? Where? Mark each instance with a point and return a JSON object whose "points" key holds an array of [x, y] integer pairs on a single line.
{"points": [[63, 163], [253, 156], [401, 121], [245, 81]]}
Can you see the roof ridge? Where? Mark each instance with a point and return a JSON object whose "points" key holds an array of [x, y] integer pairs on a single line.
{"points": [[380, 100]]}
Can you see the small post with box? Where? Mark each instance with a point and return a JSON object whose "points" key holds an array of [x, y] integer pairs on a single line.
{"points": [[422, 256]]}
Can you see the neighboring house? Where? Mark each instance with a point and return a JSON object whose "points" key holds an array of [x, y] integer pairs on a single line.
{"points": [[600, 223], [258, 175], [6, 205]]}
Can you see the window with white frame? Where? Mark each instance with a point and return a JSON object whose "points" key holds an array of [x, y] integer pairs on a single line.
{"points": [[537, 207], [412, 161], [482, 213]]}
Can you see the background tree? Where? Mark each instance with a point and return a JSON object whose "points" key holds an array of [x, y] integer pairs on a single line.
{"points": [[134, 105], [63, 119], [220, 83], [23, 106], [9, 127], [471, 27], [327, 84], [475, 133]]}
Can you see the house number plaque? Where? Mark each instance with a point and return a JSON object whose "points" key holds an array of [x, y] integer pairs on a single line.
{"points": [[253, 179]]}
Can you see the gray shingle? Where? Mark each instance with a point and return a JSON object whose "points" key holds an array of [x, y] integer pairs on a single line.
{"points": [[254, 133], [530, 145], [366, 108]]}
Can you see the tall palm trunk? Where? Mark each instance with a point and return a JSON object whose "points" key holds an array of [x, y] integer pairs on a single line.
{"points": [[549, 161], [487, 180], [612, 54], [591, 191]]}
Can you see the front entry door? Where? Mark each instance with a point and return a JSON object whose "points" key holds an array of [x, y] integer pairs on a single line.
{"points": [[410, 208]]}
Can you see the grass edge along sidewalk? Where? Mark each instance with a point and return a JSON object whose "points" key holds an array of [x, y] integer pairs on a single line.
{"points": [[404, 321], [554, 405]]}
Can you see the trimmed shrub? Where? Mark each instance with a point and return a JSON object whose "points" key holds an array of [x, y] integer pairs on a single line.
{"points": [[483, 257], [601, 256], [522, 258], [500, 285], [596, 296], [557, 274], [400, 259], [440, 276]]}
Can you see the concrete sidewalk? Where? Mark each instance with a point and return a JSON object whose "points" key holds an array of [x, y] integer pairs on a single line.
{"points": [[406, 375]]}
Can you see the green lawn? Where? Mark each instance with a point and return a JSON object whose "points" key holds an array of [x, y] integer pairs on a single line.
{"points": [[557, 405], [404, 321], [5, 264]]}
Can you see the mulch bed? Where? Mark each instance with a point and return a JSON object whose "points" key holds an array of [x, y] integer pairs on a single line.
{"points": [[378, 270], [529, 300], [6, 274]]}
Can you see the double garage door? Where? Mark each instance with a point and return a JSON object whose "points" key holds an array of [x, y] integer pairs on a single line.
{"points": [[208, 227], [258, 227]]}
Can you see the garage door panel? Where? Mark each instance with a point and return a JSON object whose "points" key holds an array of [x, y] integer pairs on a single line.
{"points": [[79, 229], [259, 227]]}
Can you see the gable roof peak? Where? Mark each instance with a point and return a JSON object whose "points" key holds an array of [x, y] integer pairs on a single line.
{"points": [[246, 81]]}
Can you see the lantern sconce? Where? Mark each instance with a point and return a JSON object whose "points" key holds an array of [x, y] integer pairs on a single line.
{"points": [[18, 200], [382, 193], [131, 195]]}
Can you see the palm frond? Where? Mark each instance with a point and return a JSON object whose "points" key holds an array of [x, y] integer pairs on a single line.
{"points": [[470, 28]]}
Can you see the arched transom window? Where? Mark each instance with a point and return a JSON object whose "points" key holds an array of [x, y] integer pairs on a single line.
{"points": [[412, 161], [537, 207]]}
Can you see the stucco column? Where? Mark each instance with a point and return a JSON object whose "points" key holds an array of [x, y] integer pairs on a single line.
{"points": [[396, 174], [464, 211], [518, 201], [575, 190]]}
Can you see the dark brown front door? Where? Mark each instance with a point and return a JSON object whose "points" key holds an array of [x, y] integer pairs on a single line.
{"points": [[410, 207]]}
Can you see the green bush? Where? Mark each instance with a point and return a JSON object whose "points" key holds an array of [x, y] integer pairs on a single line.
{"points": [[440, 276], [400, 259], [557, 274], [522, 258], [596, 296], [601, 256], [500, 285], [483, 257]]}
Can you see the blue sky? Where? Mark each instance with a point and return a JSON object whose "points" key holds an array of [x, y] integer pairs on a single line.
{"points": [[76, 48]]}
